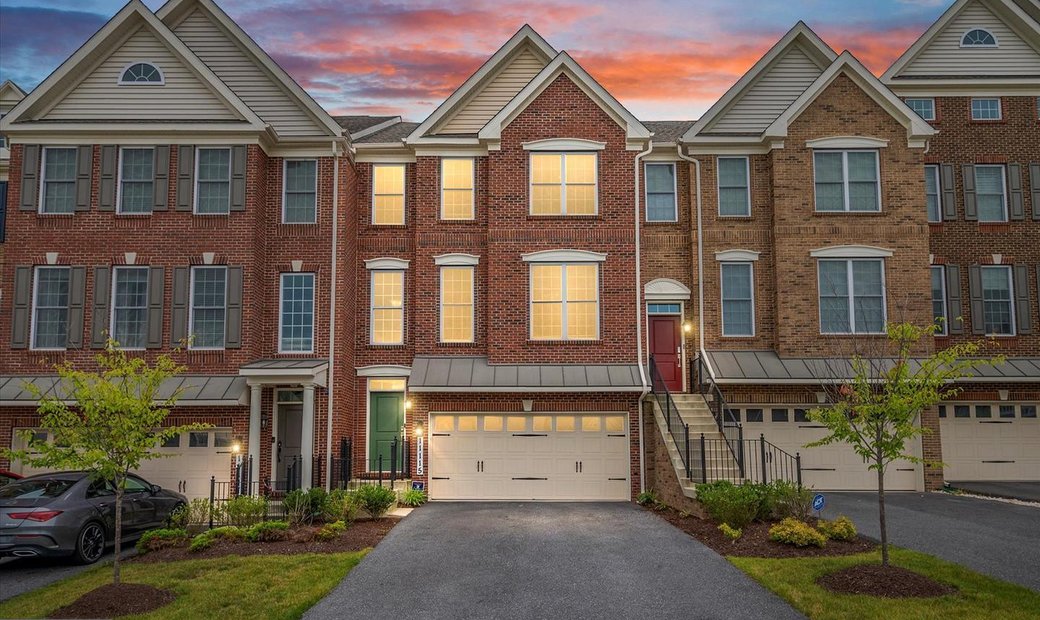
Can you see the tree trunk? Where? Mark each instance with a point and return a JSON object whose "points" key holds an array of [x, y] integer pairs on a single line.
{"points": [[119, 531], [881, 514]]}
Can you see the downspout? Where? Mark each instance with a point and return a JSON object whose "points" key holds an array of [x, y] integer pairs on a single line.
{"points": [[332, 313], [639, 322], [700, 259]]}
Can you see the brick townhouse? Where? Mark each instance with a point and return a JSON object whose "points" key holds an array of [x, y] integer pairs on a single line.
{"points": [[493, 282]]}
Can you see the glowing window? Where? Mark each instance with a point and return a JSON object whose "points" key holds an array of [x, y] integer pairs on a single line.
{"points": [[443, 424], [565, 302], [563, 184], [457, 189], [565, 423], [456, 304], [590, 424], [467, 423], [516, 424], [493, 423], [388, 194], [387, 307], [542, 423], [615, 424]]}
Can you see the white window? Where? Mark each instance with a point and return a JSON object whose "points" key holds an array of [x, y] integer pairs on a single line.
{"points": [[300, 193], [998, 300], [296, 320], [661, 193], [213, 181], [142, 73], [58, 181], [847, 181], [388, 194], [457, 193], [734, 186], [939, 310], [985, 109], [738, 299], [457, 304], [50, 325], [978, 37], [991, 193], [130, 307], [136, 178], [565, 301], [852, 296], [932, 193], [923, 107], [563, 184], [387, 307], [208, 307]]}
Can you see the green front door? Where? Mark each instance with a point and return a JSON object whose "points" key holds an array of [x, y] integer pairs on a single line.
{"points": [[386, 417]]}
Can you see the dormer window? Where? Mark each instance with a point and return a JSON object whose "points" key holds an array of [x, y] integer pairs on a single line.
{"points": [[142, 73], [978, 37]]}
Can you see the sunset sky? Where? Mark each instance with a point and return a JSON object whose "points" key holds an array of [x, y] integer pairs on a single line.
{"points": [[663, 60]]}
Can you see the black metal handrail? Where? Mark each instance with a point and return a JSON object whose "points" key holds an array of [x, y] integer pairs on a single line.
{"points": [[677, 428], [727, 423], [760, 461]]}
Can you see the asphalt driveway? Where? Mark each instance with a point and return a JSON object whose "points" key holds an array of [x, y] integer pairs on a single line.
{"points": [[19, 575], [999, 539], [544, 560]]}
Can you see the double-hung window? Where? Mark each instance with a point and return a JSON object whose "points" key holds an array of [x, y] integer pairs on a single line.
{"points": [[50, 324], [847, 181], [738, 299], [985, 109], [563, 184], [388, 194], [300, 197], [213, 181], [923, 107], [59, 180], [939, 312], [130, 307], [931, 192], [661, 193], [991, 193], [457, 304], [565, 301], [208, 307], [734, 187], [387, 307], [457, 181], [136, 179], [852, 296], [296, 319], [998, 307]]}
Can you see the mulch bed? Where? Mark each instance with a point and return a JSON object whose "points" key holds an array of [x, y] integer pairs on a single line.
{"points": [[360, 535], [112, 601], [887, 582], [755, 540]]}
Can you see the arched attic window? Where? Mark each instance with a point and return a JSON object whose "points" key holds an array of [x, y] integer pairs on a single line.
{"points": [[978, 37], [142, 73]]}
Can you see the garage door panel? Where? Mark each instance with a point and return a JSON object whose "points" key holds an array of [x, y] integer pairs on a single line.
{"points": [[989, 448]]}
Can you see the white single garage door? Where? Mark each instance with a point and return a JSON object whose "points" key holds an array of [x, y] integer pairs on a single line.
{"points": [[834, 467], [529, 457], [991, 441]]}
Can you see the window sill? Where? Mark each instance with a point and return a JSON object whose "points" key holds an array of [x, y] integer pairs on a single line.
{"points": [[457, 345], [735, 217], [847, 213], [982, 121], [199, 356], [661, 222], [209, 221], [994, 227], [557, 343], [849, 336], [564, 217], [384, 347]]}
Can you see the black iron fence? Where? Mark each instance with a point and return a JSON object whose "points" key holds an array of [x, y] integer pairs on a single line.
{"points": [[679, 430], [756, 460], [397, 465]]}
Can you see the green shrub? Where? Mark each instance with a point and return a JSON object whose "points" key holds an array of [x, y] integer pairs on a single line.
{"points": [[196, 513], [154, 540], [731, 504], [205, 540], [330, 530], [647, 498], [791, 531], [730, 533], [413, 498], [245, 510], [841, 528], [375, 499], [297, 507], [268, 531], [317, 498], [791, 500]]}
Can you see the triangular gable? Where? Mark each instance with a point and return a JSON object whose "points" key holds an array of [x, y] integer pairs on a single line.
{"points": [[247, 69], [10, 94], [520, 53], [563, 64], [93, 62], [769, 87], [938, 54], [846, 64]]}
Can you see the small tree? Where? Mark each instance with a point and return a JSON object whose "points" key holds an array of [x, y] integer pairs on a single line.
{"points": [[106, 422], [877, 399]]}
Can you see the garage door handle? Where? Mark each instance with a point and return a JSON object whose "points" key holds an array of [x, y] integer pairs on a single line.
{"points": [[442, 434], [527, 478], [440, 478], [819, 469], [529, 435], [994, 421], [998, 461], [617, 478], [621, 435]]}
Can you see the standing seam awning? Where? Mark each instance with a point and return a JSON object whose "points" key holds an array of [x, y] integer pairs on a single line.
{"points": [[197, 390], [475, 374]]}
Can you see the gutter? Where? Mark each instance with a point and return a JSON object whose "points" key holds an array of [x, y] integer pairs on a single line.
{"points": [[332, 315], [639, 322], [700, 261]]}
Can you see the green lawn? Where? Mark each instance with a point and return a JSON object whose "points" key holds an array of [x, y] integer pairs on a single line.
{"points": [[979, 597], [275, 586]]}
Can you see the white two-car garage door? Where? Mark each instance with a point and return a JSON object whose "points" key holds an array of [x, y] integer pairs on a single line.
{"points": [[529, 457], [992, 442]]}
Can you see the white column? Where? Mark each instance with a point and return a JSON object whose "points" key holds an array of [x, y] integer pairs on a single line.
{"points": [[307, 439], [254, 428]]}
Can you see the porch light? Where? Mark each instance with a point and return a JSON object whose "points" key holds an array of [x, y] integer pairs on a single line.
{"points": [[236, 448], [408, 403], [418, 431], [687, 327]]}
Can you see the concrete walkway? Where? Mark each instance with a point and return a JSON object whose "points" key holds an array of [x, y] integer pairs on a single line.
{"points": [[544, 560], [999, 539]]}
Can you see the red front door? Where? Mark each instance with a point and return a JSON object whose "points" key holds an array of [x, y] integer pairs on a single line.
{"points": [[665, 346]]}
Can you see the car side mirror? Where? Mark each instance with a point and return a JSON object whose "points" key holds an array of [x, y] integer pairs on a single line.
{"points": [[155, 489]]}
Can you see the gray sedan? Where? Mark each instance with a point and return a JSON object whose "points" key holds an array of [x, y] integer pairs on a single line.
{"points": [[69, 513]]}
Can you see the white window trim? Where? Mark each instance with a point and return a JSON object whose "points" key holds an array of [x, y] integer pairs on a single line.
{"points": [[996, 41], [847, 143], [563, 185], [564, 144], [285, 184], [664, 290], [675, 191], [404, 192], [934, 169], [563, 256], [472, 190], [112, 301], [472, 304], [195, 201], [851, 251], [932, 99], [42, 193], [32, 322], [191, 308], [119, 178], [563, 307], [845, 180], [722, 298], [155, 65], [372, 307], [747, 179], [1000, 108], [387, 371], [456, 260], [946, 306], [736, 256], [1009, 270], [852, 299], [1003, 192], [281, 311], [386, 263]]}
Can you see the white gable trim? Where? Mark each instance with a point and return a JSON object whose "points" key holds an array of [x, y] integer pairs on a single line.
{"points": [[727, 256], [456, 260], [384, 370], [851, 251], [386, 262], [847, 142], [563, 256], [564, 64], [564, 144], [665, 289], [8, 86]]}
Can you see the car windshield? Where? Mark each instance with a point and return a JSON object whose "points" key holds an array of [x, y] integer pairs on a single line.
{"points": [[32, 489]]}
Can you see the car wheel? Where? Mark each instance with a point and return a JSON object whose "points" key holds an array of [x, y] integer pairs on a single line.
{"points": [[179, 506], [90, 544]]}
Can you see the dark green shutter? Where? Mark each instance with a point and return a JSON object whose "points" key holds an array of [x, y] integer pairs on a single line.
{"points": [[179, 314], [233, 333], [99, 311], [185, 177], [955, 309], [1016, 207], [22, 307], [84, 175], [978, 319], [77, 300], [949, 192], [109, 163], [161, 176], [156, 290], [30, 178], [971, 210], [1023, 309], [1034, 182], [238, 178]]}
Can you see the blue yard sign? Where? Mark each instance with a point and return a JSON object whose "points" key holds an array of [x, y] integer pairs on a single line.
{"points": [[418, 485], [818, 502]]}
